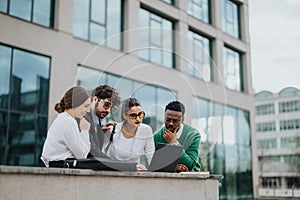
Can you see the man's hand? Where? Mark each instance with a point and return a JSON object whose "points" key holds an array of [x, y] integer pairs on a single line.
{"points": [[181, 168], [170, 136], [107, 125]]}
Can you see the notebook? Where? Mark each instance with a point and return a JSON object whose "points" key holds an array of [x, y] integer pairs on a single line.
{"points": [[165, 158]]}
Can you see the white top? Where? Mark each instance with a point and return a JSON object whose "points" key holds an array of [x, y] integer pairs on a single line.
{"points": [[64, 140], [131, 149], [179, 132]]}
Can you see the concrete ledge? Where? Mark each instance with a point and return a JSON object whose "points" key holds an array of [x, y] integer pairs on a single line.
{"points": [[54, 183]]}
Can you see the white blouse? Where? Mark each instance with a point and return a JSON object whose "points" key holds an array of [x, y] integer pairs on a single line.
{"points": [[64, 140], [130, 149]]}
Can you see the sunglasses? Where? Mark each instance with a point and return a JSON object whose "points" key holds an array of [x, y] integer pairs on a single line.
{"points": [[141, 115], [106, 104], [175, 121]]}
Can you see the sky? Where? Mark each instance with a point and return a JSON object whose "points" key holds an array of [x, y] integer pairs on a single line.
{"points": [[275, 44]]}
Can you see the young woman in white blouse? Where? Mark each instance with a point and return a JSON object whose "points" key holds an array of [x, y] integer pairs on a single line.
{"points": [[67, 139], [131, 138]]}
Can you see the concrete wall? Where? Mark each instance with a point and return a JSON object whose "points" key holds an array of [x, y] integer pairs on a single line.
{"points": [[45, 183]]}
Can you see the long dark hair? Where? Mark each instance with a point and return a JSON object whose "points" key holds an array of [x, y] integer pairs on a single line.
{"points": [[73, 98]]}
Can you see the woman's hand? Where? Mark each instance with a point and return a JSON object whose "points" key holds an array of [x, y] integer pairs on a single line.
{"points": [[141, 168], [84, 125]]}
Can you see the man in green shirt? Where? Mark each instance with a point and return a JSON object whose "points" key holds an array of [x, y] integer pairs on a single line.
{"points": [[176, 132]]}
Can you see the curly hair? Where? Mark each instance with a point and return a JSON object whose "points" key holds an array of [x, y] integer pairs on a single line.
{"points": [[107, 92]]}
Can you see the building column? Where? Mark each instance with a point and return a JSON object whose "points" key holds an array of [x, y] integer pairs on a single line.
{"points": [[63, 19], [131, 25], [217, 46]]}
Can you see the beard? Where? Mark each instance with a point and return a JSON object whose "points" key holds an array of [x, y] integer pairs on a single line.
{"points": [[102, 114], [171, 128]]}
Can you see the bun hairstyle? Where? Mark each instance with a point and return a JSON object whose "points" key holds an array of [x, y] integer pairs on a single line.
{"points": [[73, 98]]}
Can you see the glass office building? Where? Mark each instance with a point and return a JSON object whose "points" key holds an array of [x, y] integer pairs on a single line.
{"points": [[197, 52]]}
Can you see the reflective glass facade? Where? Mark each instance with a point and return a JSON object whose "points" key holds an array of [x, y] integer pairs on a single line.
{"points": [[199, 9], [153, 98], [99, 21], [232, 70], [24, 94], [225, 146], [231, 18], [36, 11], [90, 32], [156, 39], [199, 56]]}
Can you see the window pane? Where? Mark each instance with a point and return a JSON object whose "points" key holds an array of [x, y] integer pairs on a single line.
{"points": [[244, 175], [199, 9], [164, 96], [37, 11], [199, 56], [30, 82], [146, 95], [231, 18], [3, 6], [81, 19], [243, 127], [21, 9], [88, 78], [97, 33], [26, 139], [5, 62], [3, 135], [98, 22], [42, 12], [98, 11], [126, 86], [156, 39], [232, 70]]}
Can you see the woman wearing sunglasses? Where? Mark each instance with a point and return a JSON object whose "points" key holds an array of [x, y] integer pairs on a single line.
{"points": [[131, 138]]}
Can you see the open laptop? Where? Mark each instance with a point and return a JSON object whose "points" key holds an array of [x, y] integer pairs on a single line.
{"points": [[165, 158]]}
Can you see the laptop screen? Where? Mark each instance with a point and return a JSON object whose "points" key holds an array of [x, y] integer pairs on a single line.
{"points": [[165, 158]]}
